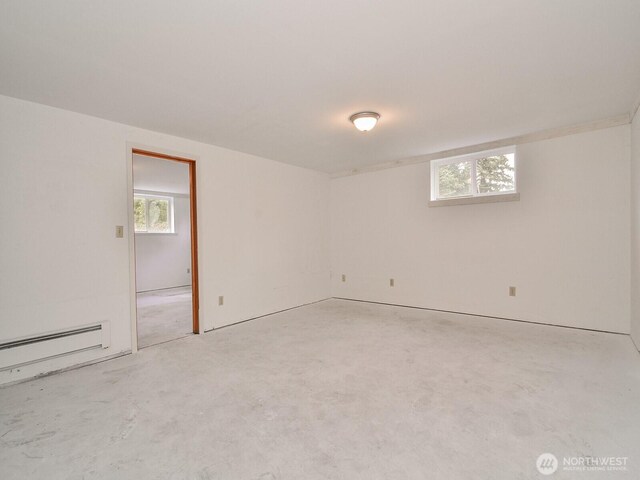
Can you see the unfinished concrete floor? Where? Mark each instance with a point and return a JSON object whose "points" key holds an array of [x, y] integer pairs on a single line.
{"points": [[164, 315], [335, 390]]}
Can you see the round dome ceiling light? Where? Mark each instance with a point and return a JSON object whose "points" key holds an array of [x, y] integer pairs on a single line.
{"points": [[364, 121]]}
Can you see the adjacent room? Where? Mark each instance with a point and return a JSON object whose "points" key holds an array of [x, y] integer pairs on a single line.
{"points": [[335, 240], [162, 217]]}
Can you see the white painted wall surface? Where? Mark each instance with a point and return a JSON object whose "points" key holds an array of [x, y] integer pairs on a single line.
{"points": [[564, 245], [159, 175], [635, 230], [263, 229], [163, 260]]}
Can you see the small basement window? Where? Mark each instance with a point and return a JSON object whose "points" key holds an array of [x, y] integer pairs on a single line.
{"points": [[477, 178], [153, 214]]}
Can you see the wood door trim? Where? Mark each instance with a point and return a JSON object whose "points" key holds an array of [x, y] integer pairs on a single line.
{"points": [[195, 291]]}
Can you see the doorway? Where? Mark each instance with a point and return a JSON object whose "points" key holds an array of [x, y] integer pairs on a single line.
{"points": [[165, 247]]}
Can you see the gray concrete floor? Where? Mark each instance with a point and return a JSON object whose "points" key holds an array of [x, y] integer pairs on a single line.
{"points": [[164, 315], [335, 390]]}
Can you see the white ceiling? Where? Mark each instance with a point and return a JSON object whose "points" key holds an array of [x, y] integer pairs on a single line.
{"points": [[280, 78], [157, 175]]}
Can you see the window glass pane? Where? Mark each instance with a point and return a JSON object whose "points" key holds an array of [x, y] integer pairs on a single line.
{"points": [[158, 215], [496, 174], [454, 180], [140, 215]]}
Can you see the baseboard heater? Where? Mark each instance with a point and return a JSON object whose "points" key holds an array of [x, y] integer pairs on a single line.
{"points": [[26, 350]]}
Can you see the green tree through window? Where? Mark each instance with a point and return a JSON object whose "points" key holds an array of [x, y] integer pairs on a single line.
{"points": [[495, 174], [140, 214], [152, 214], [158, 216], [455, 179], [474, 175]]}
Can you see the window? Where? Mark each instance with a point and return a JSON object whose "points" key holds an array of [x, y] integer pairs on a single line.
{"points": [[153, 214], [477, 178]]}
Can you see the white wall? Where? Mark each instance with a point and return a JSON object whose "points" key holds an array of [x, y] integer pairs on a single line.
{"points": [[263, 228], [635, 230], [164, 260], [264, 233], [564, 245], [158, 175]]}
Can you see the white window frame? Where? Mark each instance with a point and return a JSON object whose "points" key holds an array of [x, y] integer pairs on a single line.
{"points": [[170, 212], [474, 196]]}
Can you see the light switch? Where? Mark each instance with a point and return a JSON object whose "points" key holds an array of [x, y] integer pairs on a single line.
{"points": [[119, 231]]}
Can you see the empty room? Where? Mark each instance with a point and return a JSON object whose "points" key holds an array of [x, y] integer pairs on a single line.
{"points": [[320, 240], [162, 226]]}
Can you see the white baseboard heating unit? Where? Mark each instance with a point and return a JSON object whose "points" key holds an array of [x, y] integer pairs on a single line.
{"points": [[26, 350]]}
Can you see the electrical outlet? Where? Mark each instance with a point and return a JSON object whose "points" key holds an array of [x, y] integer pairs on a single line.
{"points": [[512, 291], [220, 300], [119, 231], [344, 277], [392, 282], [188, 270]]}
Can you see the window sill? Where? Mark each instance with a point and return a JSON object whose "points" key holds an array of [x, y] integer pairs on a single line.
{"points": [[152, 234], [450, 202]]}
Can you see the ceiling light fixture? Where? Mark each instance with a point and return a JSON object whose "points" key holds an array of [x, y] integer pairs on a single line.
{"points": [[364, 121]]}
